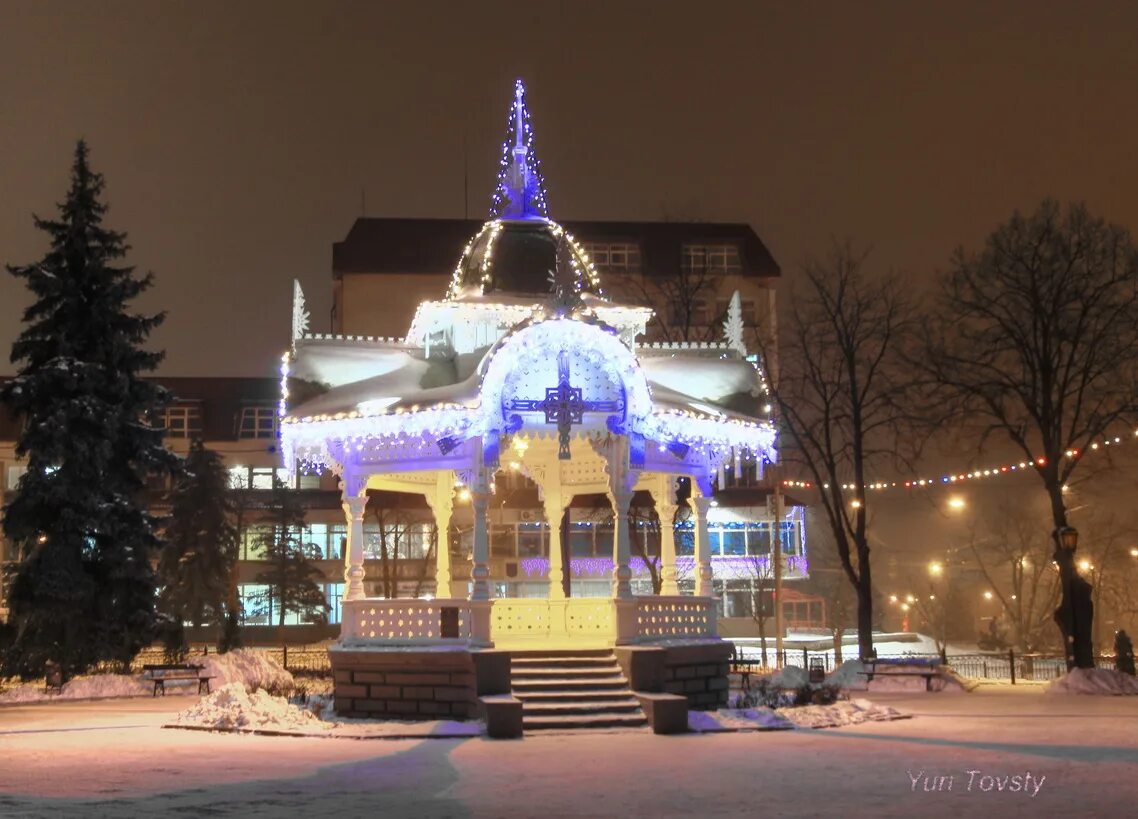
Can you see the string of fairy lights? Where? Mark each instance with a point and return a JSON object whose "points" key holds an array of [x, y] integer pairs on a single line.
{"points": [[978, 474]]}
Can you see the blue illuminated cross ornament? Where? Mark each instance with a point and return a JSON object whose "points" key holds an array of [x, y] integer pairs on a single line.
{"points": [[563, 405]]}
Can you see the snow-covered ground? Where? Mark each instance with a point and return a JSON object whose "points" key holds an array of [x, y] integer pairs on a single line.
{"points": [[251, 668], [94, 687], [853, 712], [113, 759], [1094, 681]]}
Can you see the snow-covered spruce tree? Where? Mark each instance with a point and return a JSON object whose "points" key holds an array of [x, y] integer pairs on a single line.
{"points": [[82, 590], [201, 547], [290, 575]]}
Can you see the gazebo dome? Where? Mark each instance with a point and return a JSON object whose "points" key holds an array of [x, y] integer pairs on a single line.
{"points": [[520, 256]]}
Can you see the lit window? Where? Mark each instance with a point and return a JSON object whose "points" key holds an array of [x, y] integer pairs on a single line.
{"points": [[14, 475], [717, 258], [258, 422], [614, 257], [182, 420]]}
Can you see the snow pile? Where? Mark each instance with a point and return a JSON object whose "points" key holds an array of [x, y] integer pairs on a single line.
{"points": [[790, 676], [749, 719], [1103, 681], [848, 676], [231, 706], [253, 669], [840, 713], [94, 687]]}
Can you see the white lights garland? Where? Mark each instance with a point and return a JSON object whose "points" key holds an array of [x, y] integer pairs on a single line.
{"points": [[953, 478]]}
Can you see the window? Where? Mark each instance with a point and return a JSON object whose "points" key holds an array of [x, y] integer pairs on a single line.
{"points": [[334, 593], [614, 257], [580, 540], [308, 479], [258, 422], [14, 475], [182, 420], [257, 477], [502, 542], [531, 540], [689, 314], [713, 258]]}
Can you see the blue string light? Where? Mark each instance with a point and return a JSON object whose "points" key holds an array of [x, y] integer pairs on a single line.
{"points": [[520, 193]]}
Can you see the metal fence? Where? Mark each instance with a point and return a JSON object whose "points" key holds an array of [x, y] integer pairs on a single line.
{"points": [[1011, 666]]}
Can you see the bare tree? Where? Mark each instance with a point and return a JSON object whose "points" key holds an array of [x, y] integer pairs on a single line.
{"points": [[399, 531], [1036, 337], [687, 298], [837, 398], [1015, 560], [762, 596], [644, 519]]}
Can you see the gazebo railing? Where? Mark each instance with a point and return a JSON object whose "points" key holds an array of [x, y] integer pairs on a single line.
{"points": [[406, 621], [523, 620], [676, 616]]}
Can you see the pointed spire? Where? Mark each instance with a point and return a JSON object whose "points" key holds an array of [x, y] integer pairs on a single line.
{"points": [[733, 325], [521, 189]]}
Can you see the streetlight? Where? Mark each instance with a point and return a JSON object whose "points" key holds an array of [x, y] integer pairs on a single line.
{"points": [[936, 569], [956, 503]]}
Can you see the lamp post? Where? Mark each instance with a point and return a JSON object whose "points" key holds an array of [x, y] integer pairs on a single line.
{"points": [[1075, 614], [938, 609]]}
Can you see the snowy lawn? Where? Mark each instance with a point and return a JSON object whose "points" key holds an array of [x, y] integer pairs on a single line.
{"points": [[249, 667]]}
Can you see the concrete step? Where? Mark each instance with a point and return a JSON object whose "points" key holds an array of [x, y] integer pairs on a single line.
{"points": [[584, 695], [577, 652], [567, 683], [617, 705], [538, 723], [521, 663], [541, 671]]}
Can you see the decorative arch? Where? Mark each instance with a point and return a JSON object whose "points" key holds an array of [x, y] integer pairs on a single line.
{"points": [[526, 361]]}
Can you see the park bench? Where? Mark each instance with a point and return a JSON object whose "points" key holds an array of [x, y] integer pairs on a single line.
{"points": [[906, 670], [161, 674]]}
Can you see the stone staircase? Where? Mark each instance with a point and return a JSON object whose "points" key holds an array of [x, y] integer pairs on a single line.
{"points": [[573, 689]]}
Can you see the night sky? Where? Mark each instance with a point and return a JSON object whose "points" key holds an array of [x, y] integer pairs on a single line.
{"points": [[236, 137]]}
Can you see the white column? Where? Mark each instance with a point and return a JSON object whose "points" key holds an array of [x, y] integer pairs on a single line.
{"points": [[480, 502], [699, 507], [621, 543], [442, 505], [666, 512], [354, 555], [554, 509]]}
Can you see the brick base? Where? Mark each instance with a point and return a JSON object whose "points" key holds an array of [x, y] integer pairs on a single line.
{"points": [[404, 684], [697, 671]]}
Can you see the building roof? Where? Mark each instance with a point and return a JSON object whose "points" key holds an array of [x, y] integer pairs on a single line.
{"points": [[398, 245]]}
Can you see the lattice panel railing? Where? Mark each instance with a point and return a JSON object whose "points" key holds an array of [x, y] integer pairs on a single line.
{"points": [[401, 620], [675, 617], [519, 618], [589, 616]]}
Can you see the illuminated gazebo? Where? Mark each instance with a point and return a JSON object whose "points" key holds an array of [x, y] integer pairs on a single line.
{"points": [[524, 360]]}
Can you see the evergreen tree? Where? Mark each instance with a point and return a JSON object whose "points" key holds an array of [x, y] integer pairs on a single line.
{"points": [[291, 574], [201, 546], [83, 588]]}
